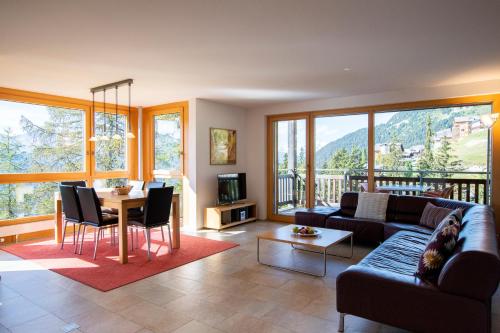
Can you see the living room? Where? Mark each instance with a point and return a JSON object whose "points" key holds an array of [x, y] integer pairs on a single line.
{"points": [[312, 162]]}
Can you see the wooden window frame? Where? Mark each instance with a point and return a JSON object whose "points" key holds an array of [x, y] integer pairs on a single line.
{"points": [[89, 173], [491, 99], [148, 139]]}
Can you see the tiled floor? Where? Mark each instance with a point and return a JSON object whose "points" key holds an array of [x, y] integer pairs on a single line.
{"points": [[227, 292]]}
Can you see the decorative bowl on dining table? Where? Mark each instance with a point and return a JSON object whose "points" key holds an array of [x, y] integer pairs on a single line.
{"points": [[121, 190]]}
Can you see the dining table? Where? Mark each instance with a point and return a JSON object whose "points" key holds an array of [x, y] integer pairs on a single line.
{"points": [[134, 199]]}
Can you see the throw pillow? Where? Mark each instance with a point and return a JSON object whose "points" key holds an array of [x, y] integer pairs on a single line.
{"points": [[440, 247], [372, 205], [433, 215]]}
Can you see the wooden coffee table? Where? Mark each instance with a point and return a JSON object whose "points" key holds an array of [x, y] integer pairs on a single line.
{"points": [[318, 244]]}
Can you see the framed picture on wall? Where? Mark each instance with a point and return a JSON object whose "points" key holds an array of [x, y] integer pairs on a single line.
{"points": [[222, 146]]}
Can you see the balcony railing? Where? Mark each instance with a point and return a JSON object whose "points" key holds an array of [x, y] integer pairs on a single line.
{"points": [[331, 184]]}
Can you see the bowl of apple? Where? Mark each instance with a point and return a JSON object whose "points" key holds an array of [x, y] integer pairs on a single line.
{"points": [[305, 231]]}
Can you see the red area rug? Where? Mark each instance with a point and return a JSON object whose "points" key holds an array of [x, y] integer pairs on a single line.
{"points": [[106, 273]]}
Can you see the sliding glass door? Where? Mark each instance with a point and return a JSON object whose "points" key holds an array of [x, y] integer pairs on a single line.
{"points": [[289, 166], [340, 157]]}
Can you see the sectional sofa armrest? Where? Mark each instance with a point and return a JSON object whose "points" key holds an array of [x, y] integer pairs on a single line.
{"points": [[405, 301]]}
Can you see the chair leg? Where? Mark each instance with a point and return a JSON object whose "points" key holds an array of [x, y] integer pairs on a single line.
{"points": [[131, 238], [83, 238], [78, 238], [64, 233], [96, 240], [169, 240], [148, 239], [341, 322], [162, 234], [136, 238], [74, 228]]}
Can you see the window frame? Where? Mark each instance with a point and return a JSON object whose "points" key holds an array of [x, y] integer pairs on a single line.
{"points": [[89, 173], [492, 99], [149, 173]]}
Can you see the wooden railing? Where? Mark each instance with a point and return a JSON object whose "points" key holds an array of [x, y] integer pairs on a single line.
{"points": [[331, 184]]}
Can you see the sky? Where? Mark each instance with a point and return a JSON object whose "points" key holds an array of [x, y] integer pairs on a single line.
{"points": [[10, 114]]}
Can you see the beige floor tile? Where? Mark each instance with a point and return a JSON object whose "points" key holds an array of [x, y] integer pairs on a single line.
{"points": [[242, 323], [19, 310], [299, 322], [102, 320], [46, 324], [156, 318], [196, 327]]}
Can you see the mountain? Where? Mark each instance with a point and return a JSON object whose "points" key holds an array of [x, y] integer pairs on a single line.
{"points": [[408, 127]]}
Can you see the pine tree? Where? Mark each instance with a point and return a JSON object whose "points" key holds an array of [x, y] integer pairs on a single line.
{"points": [[426, 160], [12, 160], [445, 160], [394, 159]]}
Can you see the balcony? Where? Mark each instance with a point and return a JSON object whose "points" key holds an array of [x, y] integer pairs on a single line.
{"points": [[330, 184]]}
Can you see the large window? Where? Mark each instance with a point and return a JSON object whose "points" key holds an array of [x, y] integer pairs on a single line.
{"points": [[439, 148], [341, 156], [111, 154], [45, 140], [433, 149], [167, 143], [37, 138]]}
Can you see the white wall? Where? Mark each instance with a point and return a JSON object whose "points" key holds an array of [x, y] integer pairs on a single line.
{"points": [[256, 122], [201, 181]]}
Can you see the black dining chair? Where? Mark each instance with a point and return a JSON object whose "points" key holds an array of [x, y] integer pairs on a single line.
{"points": [[93, 216], [71, 209], [75, 183], [156, 214], [150, 185]]}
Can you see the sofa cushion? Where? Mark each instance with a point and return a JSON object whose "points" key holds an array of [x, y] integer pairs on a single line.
{"points": [[433, 215], [314, 217], [409, 208], [365, 231], [372, 206], [440, 247], [390, 228], [399, 254]]}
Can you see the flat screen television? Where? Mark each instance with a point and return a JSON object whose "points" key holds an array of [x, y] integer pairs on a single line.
{"points": [[232, 187]]}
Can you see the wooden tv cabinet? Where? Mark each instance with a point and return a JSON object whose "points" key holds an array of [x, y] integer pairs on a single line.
{"points": [[226, 216]]}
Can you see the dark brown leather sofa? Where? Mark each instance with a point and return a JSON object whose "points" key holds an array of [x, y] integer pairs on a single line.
{"points": [[382, 287]]}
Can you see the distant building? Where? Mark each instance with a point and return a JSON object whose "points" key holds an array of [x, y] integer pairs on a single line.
{"points": [[463, 126], [385, 148]]}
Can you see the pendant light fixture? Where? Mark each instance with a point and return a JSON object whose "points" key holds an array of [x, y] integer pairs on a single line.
{"points": [[93, 137], [130, 135], [116, 136], [105, 136]]}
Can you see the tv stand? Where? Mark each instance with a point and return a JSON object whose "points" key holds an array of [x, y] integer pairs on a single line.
{"points": [[226, 216]]}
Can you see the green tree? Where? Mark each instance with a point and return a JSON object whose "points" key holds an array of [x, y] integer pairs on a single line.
{"points": [[445, 160], [426, 160], [394, 159], [12, 160]]}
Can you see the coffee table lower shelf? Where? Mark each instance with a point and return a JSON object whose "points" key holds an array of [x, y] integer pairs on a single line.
{"points": [[280, 235]]}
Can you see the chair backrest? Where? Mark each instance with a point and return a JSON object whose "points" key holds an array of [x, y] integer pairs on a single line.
{"points": [[76, 183], [91, 207], [137, 185], [70, 203], [155, 185], [158, 204]]}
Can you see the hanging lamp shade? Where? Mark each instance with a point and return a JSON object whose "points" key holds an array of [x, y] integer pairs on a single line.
{"points": [[93, 137], [130, 135]]}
